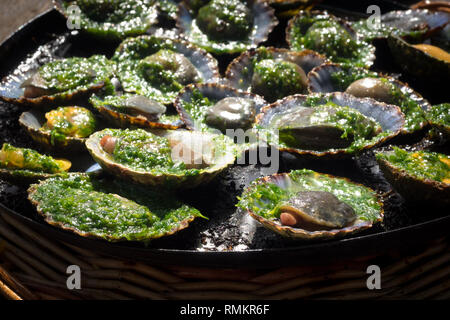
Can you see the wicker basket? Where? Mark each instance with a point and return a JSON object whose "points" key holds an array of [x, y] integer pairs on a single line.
{"points": [[34, 267]]}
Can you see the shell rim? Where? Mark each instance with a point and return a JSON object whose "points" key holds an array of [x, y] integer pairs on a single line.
{"points": [[31, 177], [231, 75], [51, 100], [98, 155], [60, 225], [113, 32], [264, 5], [335, 152], [287, 231], [111, 114], [425, 181], [313, 74], [213, 64], [371, 49], [32, 132]]}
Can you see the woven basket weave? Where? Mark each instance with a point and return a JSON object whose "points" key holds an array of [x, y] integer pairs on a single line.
{"points": [[34, 267]]}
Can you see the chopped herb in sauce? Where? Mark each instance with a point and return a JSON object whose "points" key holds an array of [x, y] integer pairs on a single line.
{"points": [[414, 114], [110, 209], [114, 19], [14, 158], [72, 74], [327, 35], [263, 198], [421, 164], [66, 122]]}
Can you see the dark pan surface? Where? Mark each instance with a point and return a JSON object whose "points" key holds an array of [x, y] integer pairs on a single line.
{"points": [[230, 237]]}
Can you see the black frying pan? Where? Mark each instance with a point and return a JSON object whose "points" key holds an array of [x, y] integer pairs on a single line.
{"points": [[205, 242]]}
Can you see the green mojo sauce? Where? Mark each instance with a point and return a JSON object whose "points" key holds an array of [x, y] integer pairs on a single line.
{"points": [[28, 159], [225, 20], [66, 122], [72, 74], [328, 36], [264, 198], [275, 79], [226, 27], [348, 74], [197, 108], [114, 19], [350, 121], [364, 130], [440, 114], [117, 103], [421, 164], [414, 114], [110, 209], [143, 151], [141, 72]]}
